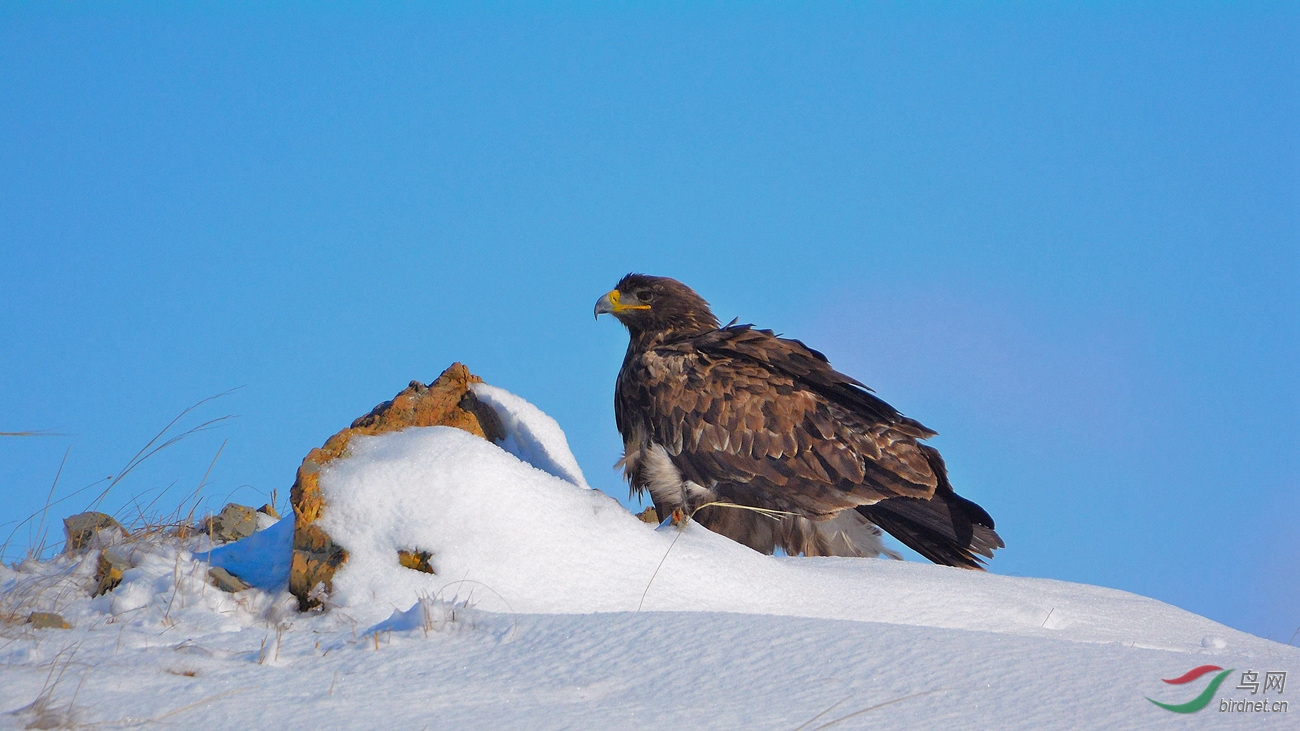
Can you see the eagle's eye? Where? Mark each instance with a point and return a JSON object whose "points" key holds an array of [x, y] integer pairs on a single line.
{"points": [[645, 295]]}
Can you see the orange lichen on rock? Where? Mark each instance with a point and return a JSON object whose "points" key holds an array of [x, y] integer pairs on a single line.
{"points": [[416, 560], [448, 401]]}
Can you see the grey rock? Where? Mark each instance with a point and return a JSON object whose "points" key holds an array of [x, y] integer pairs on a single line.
{"points": [[48, 620], [108, 573], [232, 523], [226, 581], [82, 528]]}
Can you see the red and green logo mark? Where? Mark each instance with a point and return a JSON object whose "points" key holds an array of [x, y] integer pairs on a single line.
{"points": [[1201, 700]]}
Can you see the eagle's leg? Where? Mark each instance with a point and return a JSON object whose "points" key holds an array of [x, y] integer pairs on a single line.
{"points": [[686, 505], [681, 512]]}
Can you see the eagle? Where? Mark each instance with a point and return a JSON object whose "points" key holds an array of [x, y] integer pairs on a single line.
{"points": [[758, 438]]}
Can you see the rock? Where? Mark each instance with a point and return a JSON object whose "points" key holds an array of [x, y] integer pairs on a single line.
{"points": [[269, 509], [226, 581], [649, 515], [109, 572], [82, 528], [48, 620], [418, 560], [231, 524], [445, 402]]}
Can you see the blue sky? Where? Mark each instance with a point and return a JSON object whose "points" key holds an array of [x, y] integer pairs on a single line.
{"points": [[1065, 237]]}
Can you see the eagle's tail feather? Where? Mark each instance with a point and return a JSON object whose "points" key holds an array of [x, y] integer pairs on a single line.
{"points": [[947, 529]]}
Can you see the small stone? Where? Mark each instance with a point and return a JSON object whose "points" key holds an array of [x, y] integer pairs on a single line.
{"points": [[269, 509], [649, 515], [231, 524], [108, 573], [226, 581], [417, 560], [82, 528], [48, 620]]}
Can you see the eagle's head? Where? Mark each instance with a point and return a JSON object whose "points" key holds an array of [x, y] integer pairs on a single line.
{"points": [[648, 305]]}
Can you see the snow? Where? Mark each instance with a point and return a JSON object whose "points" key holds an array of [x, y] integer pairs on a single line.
{"points": [[531, 435], [553, 607], [261, 560]]}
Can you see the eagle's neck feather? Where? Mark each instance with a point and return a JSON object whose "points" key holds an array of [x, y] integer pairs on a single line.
{"points": [[640, 341]]}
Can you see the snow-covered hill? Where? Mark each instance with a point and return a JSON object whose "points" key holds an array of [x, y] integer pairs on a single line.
{"points": [[553, 607]]}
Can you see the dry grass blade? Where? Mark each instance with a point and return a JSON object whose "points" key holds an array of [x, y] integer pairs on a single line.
{"points": [[39, 538], [656, 573], [142, 512], [212, 464], [19, 524], [173, 712], [40, 528], [45, 713], [514, 627], [765, 511], [38, 433], [868, 709], [159, 442], [182, 516], [154, 446], [824, 711]]}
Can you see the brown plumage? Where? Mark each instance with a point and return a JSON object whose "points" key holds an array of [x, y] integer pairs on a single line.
{"points": [[738, 415]]}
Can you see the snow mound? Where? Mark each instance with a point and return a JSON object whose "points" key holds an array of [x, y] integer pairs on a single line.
{"points": [[520, 531], [553, 607], [531, 435]]}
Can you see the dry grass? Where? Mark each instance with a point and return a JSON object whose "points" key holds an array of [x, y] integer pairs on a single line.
{"points": [[49, 581], [44, 712], [47, 589], [136, 514], [808, 724], [681, 525]]}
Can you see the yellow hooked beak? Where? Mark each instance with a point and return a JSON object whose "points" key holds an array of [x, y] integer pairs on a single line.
{"points": [[610, 304]]}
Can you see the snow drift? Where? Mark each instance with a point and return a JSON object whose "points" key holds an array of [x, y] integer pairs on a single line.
{"points": [[552, 606], [523, 533]]}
